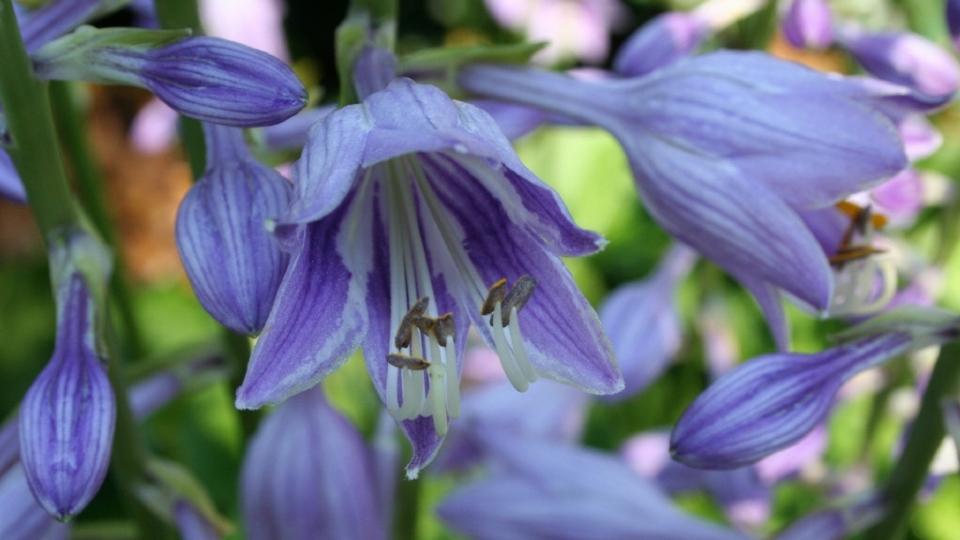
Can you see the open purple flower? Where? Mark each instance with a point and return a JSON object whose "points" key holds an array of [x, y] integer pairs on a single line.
{"points": [[412, 217], [233, 263], [725, 148]]}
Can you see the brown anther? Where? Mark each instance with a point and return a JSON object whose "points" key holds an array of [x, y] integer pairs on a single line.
{"points": [[405, 331], [494, 296], [444, 327], [521, 291], [404, 361], [424, 323], [852, 253]]}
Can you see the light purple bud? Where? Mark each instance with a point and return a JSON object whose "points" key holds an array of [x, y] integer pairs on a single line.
{"points": [[900, 198], [192, 524], [11, 187], [660, 42], [838, 522], [808, 24], [206, 78], [772, 401], [22, 518], [58, 17], [643, 325], [307, 475], [905, 58], [953, 20], [233, 262], [291, 134], [920, 138], [67, 417]]}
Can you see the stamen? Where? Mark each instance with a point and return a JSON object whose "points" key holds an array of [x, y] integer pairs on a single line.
{"points": [[426, 325], [494, 296], [444, 327], [393, 401], [404, 332], [517, 379], [407, 362], [516, 343], [519, 295], [453, 379], [437, 398], [412, 384]]}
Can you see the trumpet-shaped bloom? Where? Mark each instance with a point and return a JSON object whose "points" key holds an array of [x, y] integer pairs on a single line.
{"points": [[543, 490], [703, 133], [206, 78], [808, 23], [308, 474], [67, 416], [774, 400], [412, 217], [233, 263]]}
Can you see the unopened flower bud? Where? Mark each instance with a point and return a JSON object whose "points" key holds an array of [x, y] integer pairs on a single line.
{"points": [[808, 24]]}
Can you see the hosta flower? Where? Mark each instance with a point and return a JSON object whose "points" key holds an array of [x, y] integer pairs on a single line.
{"points": [[772, 401], [57, 17], [412, 218], [22, 518], [703, 133], [206, 78], [308, 474], [67, 417], [233, 263]]}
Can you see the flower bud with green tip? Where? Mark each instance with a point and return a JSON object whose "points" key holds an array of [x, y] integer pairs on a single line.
{"points": [[67, 417], [206, 78]]}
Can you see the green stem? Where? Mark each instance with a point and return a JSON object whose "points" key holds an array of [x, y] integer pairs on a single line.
{"points": [[36, 154], [30, 121], [407, 511], [176, 14], [925, 438], [90, 187]]}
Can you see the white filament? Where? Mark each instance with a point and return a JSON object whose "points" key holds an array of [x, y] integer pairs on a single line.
{"points": [[516, 378]]}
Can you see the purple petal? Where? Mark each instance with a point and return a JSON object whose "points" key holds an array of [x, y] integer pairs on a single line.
{"points": [[514, 120], [191, 523], [11, 187], [562, 334], [307, 475], [905, 58], [660, 42], [234, 264], [22, 518], [808, 24], [771, 305], [67, 417], [318, 292], [771, 402], [920, 138], [58, 17], [901, 197], [291, 134]]}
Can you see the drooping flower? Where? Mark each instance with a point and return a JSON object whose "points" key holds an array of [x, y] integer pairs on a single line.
{"points": [[308, 474], [701, 133], [67, 417], [413, 217], [233, 263], [808, 24], [206, 78], [772, 401], [642, 322], [543, 490]]}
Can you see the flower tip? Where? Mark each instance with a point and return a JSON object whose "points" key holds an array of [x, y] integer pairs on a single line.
{"points": [[413, 474]]}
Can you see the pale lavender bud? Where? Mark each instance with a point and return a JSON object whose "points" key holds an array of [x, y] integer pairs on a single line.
{"points": [[904, 58], [643, 325], [660, 42], [772, 401], [920, 137], [233, 262], [808, 24], [900, 198], [206, 78], [840, 521], [22, 518], [68, 414], [192, 524], [308, 474], [10, 185]]}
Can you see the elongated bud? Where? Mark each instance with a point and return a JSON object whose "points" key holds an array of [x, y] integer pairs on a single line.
{"points": [[206, 78], [808, 24], [177, 497], [661, 42], [904, 58], [774, 400], [233, 262], [67, 417], [308, 474]]}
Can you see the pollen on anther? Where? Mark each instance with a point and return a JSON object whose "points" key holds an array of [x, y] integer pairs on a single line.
{"points": [[494, 296]]}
